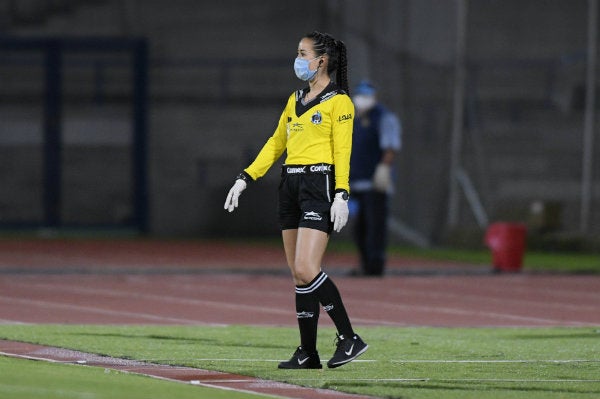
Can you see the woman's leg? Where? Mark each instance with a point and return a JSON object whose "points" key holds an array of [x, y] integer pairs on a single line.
{"points": [[305, 255], [304, 269], [303, 250]]}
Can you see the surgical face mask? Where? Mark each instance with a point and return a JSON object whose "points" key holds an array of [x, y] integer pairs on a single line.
{"points": [[363, 102], [302, 69]]}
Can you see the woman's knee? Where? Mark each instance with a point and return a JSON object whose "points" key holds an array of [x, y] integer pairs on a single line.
{"points": [[304, 273]]}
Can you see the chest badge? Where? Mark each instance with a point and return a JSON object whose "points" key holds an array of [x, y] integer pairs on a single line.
{"points": [[316, 118]]}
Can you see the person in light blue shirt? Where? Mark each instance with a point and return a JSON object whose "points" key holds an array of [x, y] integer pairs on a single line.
{"points": [[376, 140]]}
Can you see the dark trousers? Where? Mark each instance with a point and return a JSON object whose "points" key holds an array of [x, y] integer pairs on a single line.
{"points": [[370, 230]]}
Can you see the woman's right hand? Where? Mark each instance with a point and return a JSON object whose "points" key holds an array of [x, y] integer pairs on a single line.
{"points": [[234, 194]]}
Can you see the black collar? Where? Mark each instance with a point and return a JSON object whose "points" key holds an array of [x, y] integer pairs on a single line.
{"points": [[328, 92]]}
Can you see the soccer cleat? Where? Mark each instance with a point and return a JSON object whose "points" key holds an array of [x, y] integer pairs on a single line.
{"points": [[301, 359], [347, 350]]}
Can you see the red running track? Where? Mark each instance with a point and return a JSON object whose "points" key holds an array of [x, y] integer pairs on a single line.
{"points": [[160, 282]]}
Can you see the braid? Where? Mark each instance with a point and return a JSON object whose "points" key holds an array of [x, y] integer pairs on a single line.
{"points": [[342, 73], [324, 43]]}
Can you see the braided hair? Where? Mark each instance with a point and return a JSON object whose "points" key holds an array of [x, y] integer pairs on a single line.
{"points": [[324, 43]]}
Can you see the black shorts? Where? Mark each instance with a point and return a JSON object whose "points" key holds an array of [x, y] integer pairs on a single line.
{"points": [[305, 196]]}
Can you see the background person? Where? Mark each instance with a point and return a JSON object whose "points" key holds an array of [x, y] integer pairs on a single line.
{"points": [[375, 142], [315, 129]]}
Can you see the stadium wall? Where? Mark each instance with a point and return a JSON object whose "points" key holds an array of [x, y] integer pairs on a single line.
{"points": [[220, 73]]}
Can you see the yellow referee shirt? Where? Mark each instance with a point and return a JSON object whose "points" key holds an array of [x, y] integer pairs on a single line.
{"points": [[318, 132]]}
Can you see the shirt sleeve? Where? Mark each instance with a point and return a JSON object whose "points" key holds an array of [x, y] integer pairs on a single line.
{"points": [[390, 136], [272, 150], [343, 115]]}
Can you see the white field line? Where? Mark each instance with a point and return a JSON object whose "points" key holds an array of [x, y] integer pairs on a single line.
{"points": [[246, 360], [212, 384], [557, 361], [427, 379], [532, 361], [27, 357]]}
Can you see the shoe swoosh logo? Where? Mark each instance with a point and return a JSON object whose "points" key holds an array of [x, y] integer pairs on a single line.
{"points": [[303, 360], [349, 351]]}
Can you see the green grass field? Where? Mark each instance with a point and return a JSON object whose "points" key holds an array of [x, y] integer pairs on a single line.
{"points": [[407, 363]]}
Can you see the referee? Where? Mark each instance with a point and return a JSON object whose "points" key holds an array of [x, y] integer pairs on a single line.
{"points": [[315, 129]]}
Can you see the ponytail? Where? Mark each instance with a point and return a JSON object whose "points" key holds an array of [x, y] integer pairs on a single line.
{"points": [[324, 43], [342, 70]]}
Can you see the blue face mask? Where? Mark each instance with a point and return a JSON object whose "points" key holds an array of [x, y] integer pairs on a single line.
{"points": [[302, 69]]}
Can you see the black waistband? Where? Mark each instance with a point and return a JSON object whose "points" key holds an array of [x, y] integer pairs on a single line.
{"points": [[316, 169]]}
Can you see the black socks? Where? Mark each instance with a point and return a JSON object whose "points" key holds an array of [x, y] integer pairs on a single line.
{"points": [[330, 298], [307, 312], [320, 290]]}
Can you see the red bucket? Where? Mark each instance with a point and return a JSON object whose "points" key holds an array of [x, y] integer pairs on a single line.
{"points": [[507, 243]]}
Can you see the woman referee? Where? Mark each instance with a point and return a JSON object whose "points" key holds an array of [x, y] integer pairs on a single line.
{"points": [[316, 130]]}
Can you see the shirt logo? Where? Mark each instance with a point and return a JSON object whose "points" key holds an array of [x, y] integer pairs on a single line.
{"points": [[295, 127], [346, 117], [327, 96], [296, 170], [320, 168], [311, 215], [317, 118]]}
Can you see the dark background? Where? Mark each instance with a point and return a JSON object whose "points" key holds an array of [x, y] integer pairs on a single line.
{"points": [[104, 149]]}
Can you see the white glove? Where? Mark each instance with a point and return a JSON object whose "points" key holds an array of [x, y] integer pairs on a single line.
{"points": [[339, 212], [382, 178], [232, 198]]}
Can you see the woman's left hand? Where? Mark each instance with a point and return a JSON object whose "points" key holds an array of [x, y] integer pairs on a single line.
{"points": [[339, 212]]}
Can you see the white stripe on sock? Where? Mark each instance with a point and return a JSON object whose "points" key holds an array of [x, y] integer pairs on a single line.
{"points": [[311, 288]]}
